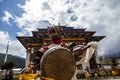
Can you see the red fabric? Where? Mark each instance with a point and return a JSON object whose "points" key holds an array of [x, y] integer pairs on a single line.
{"points": [[57, 41], [46, 48]]}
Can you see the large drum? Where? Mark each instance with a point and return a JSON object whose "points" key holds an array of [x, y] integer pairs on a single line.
{"points": [[58, 63]]}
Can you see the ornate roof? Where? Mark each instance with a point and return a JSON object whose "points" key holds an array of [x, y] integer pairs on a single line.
{"points": [[74, 35]]}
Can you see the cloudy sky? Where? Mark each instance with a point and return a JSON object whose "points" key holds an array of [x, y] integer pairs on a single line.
{"points": [[20, 17]]}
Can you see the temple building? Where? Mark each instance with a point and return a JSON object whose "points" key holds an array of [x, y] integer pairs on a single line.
{"points": [[37, 40]]}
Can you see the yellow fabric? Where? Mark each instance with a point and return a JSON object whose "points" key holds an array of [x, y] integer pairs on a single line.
{"points": [[103, 73], [28, 76], [114, 72], [87, 75]]}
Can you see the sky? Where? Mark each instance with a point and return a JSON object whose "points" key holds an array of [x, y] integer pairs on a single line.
{"points": [[20, 17]]}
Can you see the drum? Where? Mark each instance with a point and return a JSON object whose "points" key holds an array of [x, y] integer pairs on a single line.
{"points": [[58, 63]]}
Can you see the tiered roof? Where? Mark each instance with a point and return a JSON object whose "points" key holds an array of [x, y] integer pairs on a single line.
{"points": [[74, 35]]}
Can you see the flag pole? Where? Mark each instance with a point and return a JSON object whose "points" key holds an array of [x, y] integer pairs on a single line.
{"points": [[6, 52]]}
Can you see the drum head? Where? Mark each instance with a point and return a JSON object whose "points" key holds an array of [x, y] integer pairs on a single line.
{"points": [[58, 64]]}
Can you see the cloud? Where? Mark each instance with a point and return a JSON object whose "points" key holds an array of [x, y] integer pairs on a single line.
{"points": [[15, 47], [78, 13], [110, 45], [113, 3], [7, 17], [33, 27]]}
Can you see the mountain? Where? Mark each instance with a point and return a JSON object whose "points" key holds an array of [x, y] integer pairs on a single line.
{"points": [[18, 61]]}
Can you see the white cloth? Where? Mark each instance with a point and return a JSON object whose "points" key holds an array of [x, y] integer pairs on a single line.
{"points": [[85, 60], [54, 45], [90, 51], [74, 76]]}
